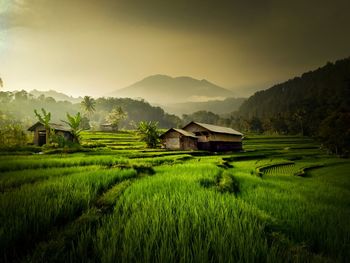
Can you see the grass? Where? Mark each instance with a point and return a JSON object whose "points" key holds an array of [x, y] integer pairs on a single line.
{"points": [[49, 203], [121, 202]]}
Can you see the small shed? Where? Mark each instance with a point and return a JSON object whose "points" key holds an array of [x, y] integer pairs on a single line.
{"points": [[215, 138], [178, 139], [106, 127], [40, 132]]}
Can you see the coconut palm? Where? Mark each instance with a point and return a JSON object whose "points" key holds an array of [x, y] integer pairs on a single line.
{"points": [[88, 105]]}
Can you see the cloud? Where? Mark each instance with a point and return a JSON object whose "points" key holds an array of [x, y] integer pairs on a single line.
{"points": [[113, 43]]}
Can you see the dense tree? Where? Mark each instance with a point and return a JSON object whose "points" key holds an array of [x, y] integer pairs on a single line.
{"points": [[115, 117], [255, 125], [85, 123], [202, 116], [11, 132], [335, 132], [138, 110], [306, 105]]}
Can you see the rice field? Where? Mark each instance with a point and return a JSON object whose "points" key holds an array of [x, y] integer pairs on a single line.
{"points": [[283, 200]]}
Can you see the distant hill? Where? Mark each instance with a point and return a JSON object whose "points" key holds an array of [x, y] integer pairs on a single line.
{"points": [[164, 89], [216, 106], [56, 95], [310, 98]]}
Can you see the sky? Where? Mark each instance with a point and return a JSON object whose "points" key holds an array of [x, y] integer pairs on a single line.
{"points": [[93, 47]]}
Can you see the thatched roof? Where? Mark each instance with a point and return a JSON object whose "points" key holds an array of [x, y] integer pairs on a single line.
{"points": [[215, 128], [55, 126]]}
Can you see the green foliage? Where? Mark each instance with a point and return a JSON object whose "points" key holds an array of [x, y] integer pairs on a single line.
{"points": [[12, 135], [149, 133], [21, 103], [115, 117], [44, 118], [89, 105], [335, 132], [74, 124], [69, 196], [306, 105], [85, 123], [201, 116], [122, 202]]}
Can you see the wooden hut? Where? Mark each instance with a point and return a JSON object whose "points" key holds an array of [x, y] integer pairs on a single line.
{"points": [[40, 132], [106, 127], [178, 139], [215, 138]]}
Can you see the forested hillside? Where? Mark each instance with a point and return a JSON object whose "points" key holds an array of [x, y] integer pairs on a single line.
{"points": [[316, 92], [316, 104]]}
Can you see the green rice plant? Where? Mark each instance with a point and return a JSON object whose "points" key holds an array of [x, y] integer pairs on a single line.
{"points": [[61, 242], [310, 211], [189, 210], [170, 217], [27, 214], [13, 179], [36, 162]]}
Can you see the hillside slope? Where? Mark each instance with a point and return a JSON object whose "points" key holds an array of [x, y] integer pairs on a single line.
{"points": [[313, 96], [225, 106], [58, 96], [325, 87]]}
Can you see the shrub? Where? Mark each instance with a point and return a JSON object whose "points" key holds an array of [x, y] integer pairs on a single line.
{"points": [[149, 133]]}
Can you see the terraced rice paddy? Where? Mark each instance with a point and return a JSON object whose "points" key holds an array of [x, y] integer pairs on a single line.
{"points": [[121, 202]]}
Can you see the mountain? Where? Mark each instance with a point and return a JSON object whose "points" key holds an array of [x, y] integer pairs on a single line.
{"points": [[307, 100], [164, 89], [216, 106], [58, 96]]}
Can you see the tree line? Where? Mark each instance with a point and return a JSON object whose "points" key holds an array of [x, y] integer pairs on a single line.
{"points": [[20, 110]]}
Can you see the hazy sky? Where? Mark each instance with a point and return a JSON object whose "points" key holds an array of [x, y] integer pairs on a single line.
{"points": [[96, 46]]}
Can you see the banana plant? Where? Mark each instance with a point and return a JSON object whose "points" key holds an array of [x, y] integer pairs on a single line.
{"points": [[74, 124], [45, 118]]}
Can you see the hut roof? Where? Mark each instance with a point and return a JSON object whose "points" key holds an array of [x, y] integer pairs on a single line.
{"points": [[183, 132], [215, 128], [55, 126]]}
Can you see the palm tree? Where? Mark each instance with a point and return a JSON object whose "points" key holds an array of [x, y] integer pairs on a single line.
{"points": [[45, 118], [74, 124], [88, 105]]}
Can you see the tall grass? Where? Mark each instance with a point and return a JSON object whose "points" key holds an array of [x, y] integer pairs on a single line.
{"points": [[37, 162], [27, 214], [13, 179], [172, 218], [310, 211], [209, 208]]}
